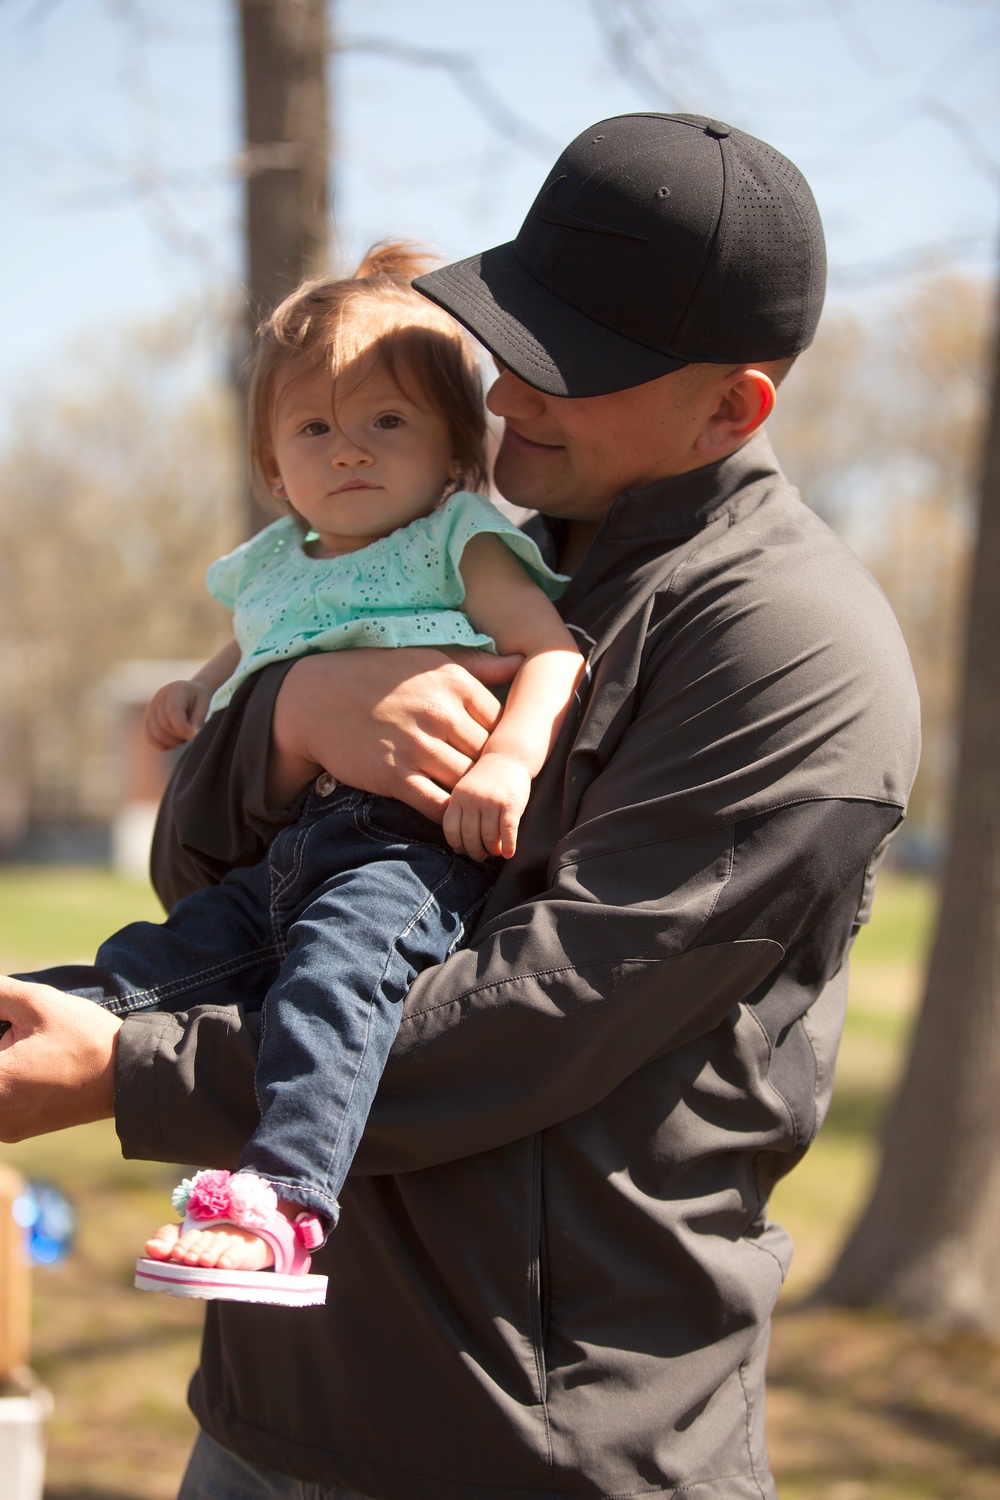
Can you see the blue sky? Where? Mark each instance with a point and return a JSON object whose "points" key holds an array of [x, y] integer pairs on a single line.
{"points": [[119, 121]]}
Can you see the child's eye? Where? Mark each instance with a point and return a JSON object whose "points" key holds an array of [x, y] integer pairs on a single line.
{"points": [[316, 429], [389, 419]]}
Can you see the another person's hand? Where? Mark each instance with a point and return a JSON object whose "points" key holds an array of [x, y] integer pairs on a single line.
{"points": [[175, 713], [485, 808], [404, 723], [56, 1060]]}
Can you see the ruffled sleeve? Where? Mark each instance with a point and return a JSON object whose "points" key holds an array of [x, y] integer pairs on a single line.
{"points": [[464, 515], [228, 575], [222, 578]]}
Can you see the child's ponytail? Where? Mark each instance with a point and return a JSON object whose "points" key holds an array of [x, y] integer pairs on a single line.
{"points": [[398, 260]]}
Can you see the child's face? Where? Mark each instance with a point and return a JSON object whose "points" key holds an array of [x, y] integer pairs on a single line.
{"points": [[360, 470]]}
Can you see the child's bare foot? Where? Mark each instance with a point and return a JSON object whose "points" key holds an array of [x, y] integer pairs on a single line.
{"points": [[222, 1246]]}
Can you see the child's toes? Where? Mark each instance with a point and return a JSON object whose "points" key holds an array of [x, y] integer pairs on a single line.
{"points": [[185, 1250], [222, 1249], [194, 1248], [214, 1249], [160, 1245], [210, 1248]]}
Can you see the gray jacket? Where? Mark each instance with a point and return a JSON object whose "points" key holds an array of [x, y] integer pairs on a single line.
{"points": [[554, 1271]]}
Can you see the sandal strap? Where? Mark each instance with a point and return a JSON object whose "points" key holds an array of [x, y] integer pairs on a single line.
{"points": [[290, 1258], [288, 1240]]}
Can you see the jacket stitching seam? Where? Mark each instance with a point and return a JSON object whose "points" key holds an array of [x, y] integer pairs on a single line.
{"points": [[609, 963], [157, 1083], [497, 984], [722, 884], [146, 999], [746, 1408], [752, 1016], [572, 861], [538, 1344]]}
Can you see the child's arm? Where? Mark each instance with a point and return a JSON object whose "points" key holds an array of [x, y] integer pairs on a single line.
{"points": [[502, 601], [177, 710]]}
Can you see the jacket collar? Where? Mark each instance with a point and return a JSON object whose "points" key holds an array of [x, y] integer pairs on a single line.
{"points": [[653, 520], [682, 505]]}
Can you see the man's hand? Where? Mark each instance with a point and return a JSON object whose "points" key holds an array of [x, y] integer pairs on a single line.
{"points": [[56, 1060], [405, 723]]}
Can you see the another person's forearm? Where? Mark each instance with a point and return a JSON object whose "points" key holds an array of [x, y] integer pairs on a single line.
{"points": [[56, 1060], [289, 768], [404, 723]]}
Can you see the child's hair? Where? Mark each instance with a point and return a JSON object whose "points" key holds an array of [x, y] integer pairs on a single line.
{"points": [[375, 311]]}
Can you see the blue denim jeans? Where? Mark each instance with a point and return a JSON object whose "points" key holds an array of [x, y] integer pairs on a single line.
{"points": [[324, 936], [213, 1473]]}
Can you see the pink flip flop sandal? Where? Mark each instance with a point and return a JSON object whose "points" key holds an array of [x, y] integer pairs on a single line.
{"points": [[246, 1202]]}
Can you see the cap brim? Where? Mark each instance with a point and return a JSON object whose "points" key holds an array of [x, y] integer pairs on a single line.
{"points": [[547, 343]]}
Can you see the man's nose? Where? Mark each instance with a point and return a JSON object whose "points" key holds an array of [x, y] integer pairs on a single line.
{"points": [[509, 396]]}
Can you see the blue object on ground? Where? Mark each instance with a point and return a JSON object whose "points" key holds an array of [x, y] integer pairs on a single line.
{"points": [[48, 1220]]}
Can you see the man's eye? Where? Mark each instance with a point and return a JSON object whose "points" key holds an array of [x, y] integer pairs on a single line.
{"points": [[389, 419]]}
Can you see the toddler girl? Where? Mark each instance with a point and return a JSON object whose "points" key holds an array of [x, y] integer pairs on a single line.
{"points": [[367, 423]]}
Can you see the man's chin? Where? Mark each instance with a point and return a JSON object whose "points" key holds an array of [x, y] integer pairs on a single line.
{"points": [[519, 485]]}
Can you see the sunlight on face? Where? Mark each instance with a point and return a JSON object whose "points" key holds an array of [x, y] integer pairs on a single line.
{"points": [[571, 457], [358, 462]]}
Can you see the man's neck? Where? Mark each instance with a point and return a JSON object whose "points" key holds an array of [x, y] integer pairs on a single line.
{"points": [[578, 537], [575, 537]]}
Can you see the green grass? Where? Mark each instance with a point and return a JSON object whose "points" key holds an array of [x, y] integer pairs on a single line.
{"points": [[117, 1362], [901, 925], [827, 1191], [60, 914]]}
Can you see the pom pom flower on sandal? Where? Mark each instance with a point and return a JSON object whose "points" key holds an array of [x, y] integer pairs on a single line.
{"points": [[242, 1201]]}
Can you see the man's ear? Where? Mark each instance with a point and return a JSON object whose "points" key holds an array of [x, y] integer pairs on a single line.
{"points": [[745, 403]]}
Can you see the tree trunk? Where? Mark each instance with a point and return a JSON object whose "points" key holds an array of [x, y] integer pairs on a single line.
{"points": [[928, 1243], [286, 158]]}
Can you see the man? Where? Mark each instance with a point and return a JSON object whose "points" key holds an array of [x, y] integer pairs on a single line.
{"points": [[554, 1271]]}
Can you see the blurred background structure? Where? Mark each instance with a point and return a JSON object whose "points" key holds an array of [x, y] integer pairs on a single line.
{"points": [[170, 170]]}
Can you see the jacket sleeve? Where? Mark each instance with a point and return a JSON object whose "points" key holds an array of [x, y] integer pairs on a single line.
{"points": [[214, 814], [652, 927]]}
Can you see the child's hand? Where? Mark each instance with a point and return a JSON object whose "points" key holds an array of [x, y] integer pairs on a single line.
{"points": [[485, 808], [175, 713]]}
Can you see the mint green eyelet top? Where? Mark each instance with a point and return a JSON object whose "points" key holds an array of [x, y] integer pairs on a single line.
{"points": [[403, 590]]}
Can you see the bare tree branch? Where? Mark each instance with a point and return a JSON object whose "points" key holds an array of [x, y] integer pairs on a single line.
{"points": [[146, 177], [468, 78], [631, 28], [635, 30]]}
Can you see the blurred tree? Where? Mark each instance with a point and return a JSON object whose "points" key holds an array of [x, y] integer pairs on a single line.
{"points": [[879, 424], [112, 502], [928, 1241], [115, 494], [286, 161]]}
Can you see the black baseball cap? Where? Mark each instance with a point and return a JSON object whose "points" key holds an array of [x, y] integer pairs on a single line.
{"points": [[656, 241]]}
